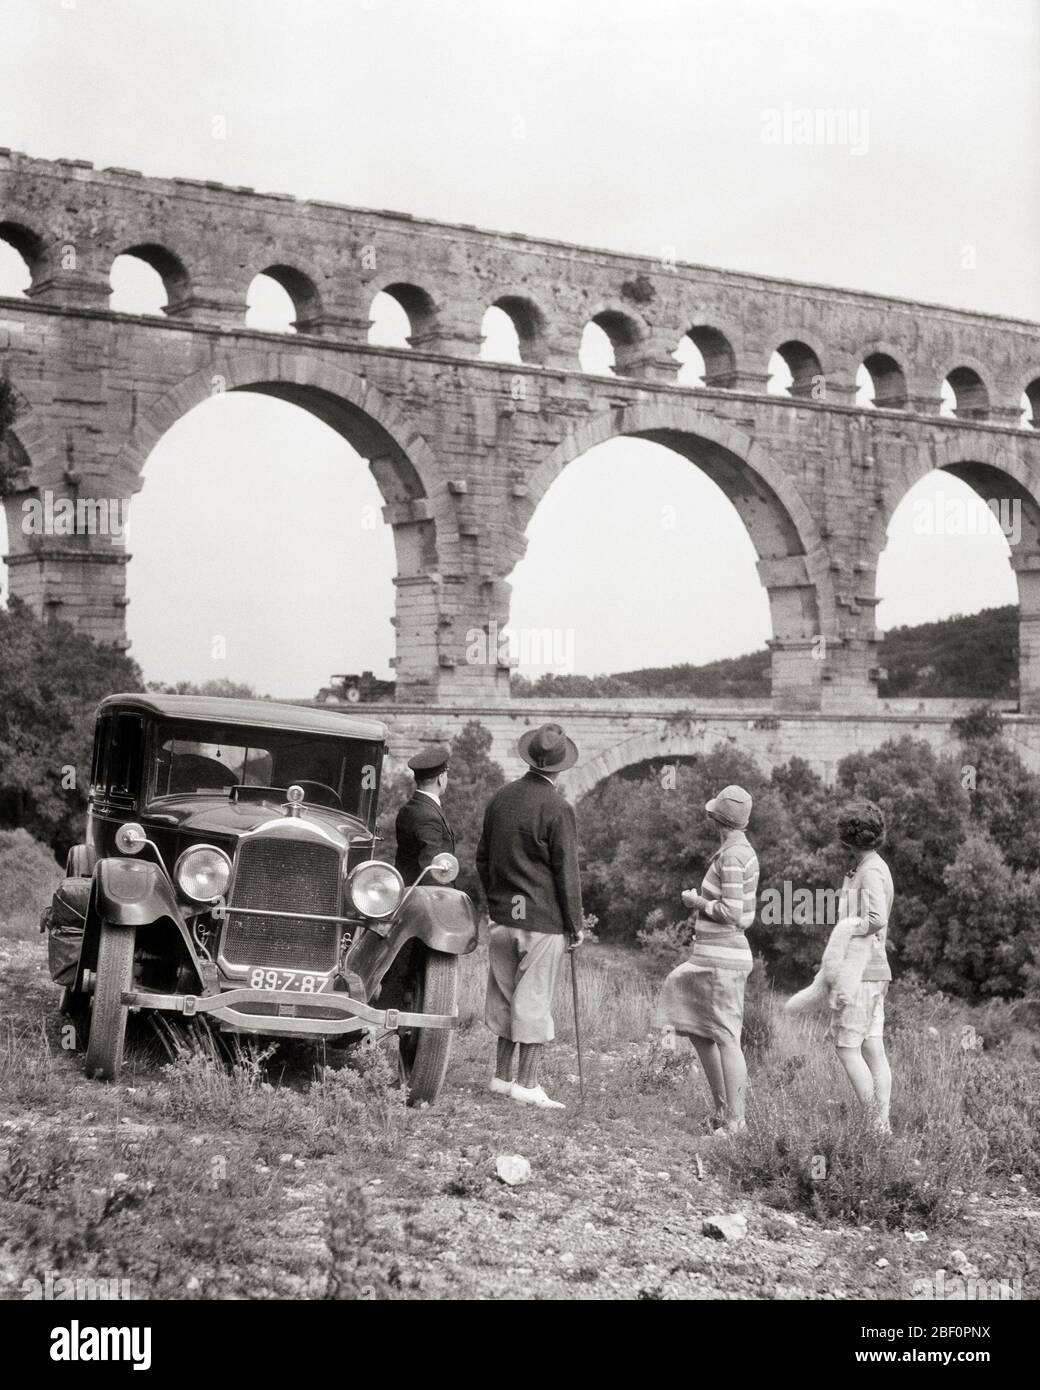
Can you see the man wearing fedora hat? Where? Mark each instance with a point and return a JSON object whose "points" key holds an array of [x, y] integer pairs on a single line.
{"points": [[527, 860], [421, 828]]}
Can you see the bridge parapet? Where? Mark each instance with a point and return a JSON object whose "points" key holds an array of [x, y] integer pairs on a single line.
{"points": [[614, 735]]}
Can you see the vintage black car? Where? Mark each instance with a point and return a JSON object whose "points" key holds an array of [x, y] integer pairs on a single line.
{"points": [[230, 870]]}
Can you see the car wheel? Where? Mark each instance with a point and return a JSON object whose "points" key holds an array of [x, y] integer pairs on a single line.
{"points": [[77, 862], [115, 975], [424, 1053]]}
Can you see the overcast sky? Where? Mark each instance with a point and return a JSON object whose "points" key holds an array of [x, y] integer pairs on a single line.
{"points": [[633, 124]]}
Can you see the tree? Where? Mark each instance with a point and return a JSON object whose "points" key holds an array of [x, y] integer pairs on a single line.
{"points": [[927, 817], [1003, 798], [988, 933], [223, 688], [51, 679], [473, 779]]}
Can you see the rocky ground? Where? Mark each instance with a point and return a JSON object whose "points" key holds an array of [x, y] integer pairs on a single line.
{"points": [[194, 1182]]}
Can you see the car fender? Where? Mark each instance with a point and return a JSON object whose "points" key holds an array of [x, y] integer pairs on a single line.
{"points": [[133, 893], [444, 919]]}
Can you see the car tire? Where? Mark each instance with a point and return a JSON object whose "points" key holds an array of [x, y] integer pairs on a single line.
{"points": [[424, 1053], [77, 862], [115, 975]]}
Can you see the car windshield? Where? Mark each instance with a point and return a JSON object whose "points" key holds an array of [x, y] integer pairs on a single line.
{"points": [[202, 757]]}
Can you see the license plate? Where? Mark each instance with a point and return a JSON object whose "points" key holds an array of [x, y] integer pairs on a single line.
{"points": [[298, 980]]}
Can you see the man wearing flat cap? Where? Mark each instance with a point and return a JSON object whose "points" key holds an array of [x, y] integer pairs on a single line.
{"points": [[422, 831], [528, 864]]}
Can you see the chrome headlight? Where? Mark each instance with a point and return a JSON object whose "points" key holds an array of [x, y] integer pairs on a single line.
{"points": [[376, 889], [203, 873]]}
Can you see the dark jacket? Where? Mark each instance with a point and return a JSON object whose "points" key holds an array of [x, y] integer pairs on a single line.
{"points": [[422, 833], [527, 858]]}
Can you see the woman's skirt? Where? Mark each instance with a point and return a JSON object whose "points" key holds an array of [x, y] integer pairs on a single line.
{"points": [[703, 1001]]}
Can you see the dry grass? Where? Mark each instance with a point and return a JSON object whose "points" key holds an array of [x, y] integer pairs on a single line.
{"points": [[252, 1171], [809, 1146], [616, 995]]}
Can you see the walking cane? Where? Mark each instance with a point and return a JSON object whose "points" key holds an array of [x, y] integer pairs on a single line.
{"points": [[577, 1029]]}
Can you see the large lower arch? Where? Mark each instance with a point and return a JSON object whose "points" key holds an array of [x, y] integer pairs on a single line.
{"points": [[641, 748], [792, 561], [399, 458], [998, 472]]}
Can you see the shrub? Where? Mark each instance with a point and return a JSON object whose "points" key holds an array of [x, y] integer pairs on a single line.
{"points": [[980, 723], [1004, 1102], [963, 845], [982, 944], [51, 679], [29, 873], [666, 943], [809, 1146]]}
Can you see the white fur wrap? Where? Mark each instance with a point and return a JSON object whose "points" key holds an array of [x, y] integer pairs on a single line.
{"points": [[841, 972]]}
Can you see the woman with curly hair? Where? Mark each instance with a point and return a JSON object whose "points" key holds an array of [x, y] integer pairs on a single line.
{"points": [[858, 1023]]}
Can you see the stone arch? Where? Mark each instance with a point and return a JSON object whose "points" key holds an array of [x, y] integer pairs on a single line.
{"points": [[301, 289], [883, 362], [716, 347], [18, 232], [967, 377], [639, 748], [980, 458], [416, 301], [793, 563], [627, 330], [1031, 391], [168, 265], [349, 403], [530, 321], [805, 360], [998, 470], [404, 467]]}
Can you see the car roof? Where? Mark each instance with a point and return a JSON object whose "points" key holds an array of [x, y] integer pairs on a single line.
{"points": [[268, 714]]}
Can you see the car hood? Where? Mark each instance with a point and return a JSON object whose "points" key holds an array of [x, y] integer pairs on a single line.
{"points": [[218, 816]]}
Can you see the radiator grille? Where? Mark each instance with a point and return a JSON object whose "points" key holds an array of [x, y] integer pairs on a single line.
{"points": [[284, 875]]}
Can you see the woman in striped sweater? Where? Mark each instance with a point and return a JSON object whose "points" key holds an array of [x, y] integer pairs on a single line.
{"points": [[704, 998]]}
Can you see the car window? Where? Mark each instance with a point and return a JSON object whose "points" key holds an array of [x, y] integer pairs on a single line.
{"points": [[124, 770], [102, 748], [192, 766], [209, 758], [116, 768]]}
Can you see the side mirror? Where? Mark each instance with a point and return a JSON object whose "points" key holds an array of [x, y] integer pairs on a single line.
{"points": [[130, 838], [444, 868]]}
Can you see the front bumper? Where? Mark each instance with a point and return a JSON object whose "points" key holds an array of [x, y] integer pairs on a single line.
{"points": [[290, 1016]]}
